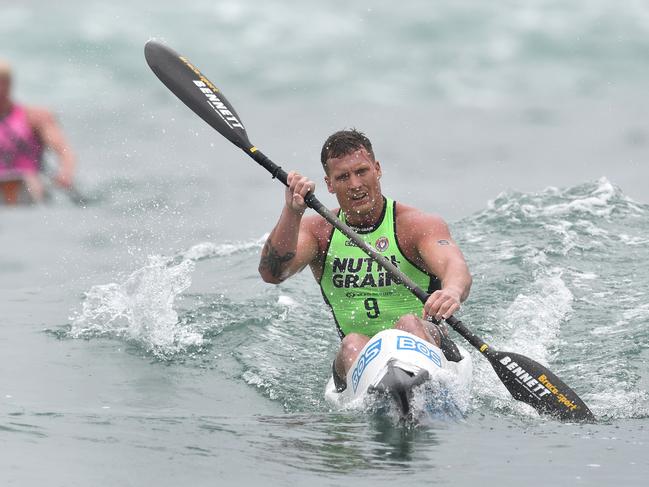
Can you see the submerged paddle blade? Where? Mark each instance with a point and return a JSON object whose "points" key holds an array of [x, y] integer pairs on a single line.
{"points": [[196, 91], [532, 383]]}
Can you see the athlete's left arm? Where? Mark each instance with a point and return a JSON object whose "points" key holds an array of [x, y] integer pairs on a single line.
{"points": [[46, 126], [444, 258]]}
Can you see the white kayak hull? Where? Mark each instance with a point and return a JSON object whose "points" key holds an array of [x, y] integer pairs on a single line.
{"points": [[395, 363]]}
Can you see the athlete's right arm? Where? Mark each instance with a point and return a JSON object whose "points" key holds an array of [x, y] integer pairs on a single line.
{"points": [[291, 245]]}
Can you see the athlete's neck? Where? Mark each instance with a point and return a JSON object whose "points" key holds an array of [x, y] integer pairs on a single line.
{"points": [[366, 220]]}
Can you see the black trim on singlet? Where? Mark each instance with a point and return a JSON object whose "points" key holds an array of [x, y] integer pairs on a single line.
{"points": [[324, 296], [379, 222], [339, 330], [434, 284]]}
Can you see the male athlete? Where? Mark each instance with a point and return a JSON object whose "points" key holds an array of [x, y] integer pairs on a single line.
{"points": [[24, 133], [362, 296]]}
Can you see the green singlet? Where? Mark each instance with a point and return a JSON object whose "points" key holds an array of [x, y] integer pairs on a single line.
{"points": [[361, 294]]}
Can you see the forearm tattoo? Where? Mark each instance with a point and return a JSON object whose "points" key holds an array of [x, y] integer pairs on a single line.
{"points": [[272, 261]]}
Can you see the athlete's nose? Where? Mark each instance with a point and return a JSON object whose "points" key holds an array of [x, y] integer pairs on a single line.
{"points": [[354, 182]]}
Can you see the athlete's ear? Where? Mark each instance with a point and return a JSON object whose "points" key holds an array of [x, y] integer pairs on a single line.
{"points": [[378, 169], [330, 188]]}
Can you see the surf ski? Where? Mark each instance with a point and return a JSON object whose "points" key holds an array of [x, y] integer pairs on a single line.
{"points": [[393, 365]]}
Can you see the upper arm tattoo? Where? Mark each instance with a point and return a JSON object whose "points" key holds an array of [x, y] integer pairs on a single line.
{"points": [[272, 261]]}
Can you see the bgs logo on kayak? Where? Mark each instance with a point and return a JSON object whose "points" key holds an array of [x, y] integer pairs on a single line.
{"points": [[370, 354], [409, 343]]}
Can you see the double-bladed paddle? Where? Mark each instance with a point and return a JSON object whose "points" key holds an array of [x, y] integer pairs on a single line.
{"points": [[526, 380]]}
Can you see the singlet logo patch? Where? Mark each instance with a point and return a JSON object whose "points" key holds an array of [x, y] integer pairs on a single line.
{"points": [[382, 244]]}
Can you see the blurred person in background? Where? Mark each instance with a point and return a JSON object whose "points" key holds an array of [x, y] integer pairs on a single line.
{"points": [[25, 133]]}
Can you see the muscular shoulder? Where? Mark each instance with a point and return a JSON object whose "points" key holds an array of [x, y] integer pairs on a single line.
{"points": [[414, 224]]}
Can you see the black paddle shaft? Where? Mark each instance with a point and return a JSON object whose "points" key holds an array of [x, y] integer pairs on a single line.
{"points": [[525, 379]]}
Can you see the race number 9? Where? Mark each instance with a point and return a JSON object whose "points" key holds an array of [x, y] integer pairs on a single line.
{"points": [[372, 307]]}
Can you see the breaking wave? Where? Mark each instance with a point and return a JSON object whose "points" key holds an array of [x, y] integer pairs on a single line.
{"points": [[555, 279]]}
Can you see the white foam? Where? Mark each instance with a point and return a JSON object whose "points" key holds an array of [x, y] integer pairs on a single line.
{"points": [[206, 250], [633, 241], [533, 320], [445, 394], [141, 308], [288, 301], [535, 317], [615, 402], [596, 201]]}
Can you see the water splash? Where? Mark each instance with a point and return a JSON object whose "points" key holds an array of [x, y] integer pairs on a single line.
{"points": [[208, 250], [444, 397], [142, 308], [535, 316], [551, 270], [554, 280]]}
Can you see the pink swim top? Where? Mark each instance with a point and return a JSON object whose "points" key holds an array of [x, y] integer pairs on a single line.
{"points": [[20, 147]]}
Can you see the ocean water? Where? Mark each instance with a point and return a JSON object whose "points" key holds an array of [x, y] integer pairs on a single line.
{"points": [[140, 347]]}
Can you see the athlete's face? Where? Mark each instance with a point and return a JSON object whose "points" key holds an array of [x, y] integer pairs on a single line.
{"points": [[354, 179]]}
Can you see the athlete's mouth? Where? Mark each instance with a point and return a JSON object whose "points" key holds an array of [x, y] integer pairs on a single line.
{"points": [[358, 197]]}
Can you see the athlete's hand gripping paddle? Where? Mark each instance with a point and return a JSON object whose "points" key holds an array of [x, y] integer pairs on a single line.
{"points": [[526, 380]]}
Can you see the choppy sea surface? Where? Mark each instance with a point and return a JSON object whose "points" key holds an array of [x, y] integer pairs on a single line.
{"points": [[140, 347]]}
